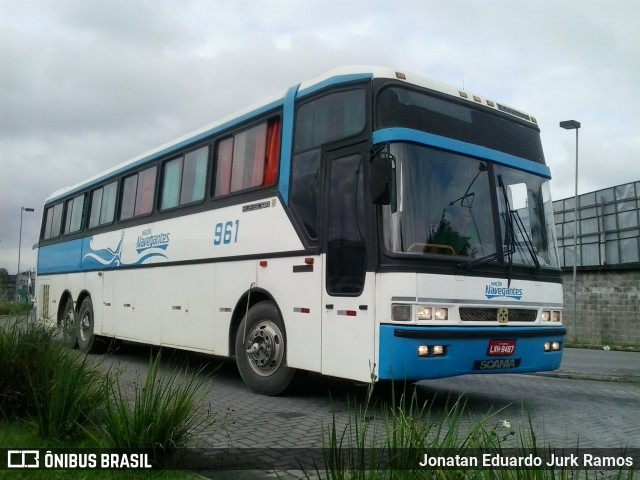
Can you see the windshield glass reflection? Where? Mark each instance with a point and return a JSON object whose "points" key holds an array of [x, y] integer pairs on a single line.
{"points": [[444, 205]]}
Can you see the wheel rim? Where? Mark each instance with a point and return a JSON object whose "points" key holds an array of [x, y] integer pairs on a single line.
{"points": [[265, 348], [85, 326]]}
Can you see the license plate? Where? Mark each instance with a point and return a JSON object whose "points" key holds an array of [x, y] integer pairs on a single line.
{"points": [[501, 348]]}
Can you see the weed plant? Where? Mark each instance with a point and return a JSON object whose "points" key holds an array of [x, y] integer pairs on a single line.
{"points": [[69, 399], [388, 442], [15, 308], [163, 415], [45, 382]]}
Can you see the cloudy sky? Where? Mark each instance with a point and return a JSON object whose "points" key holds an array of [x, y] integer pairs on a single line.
{"points": [[87, 84]]}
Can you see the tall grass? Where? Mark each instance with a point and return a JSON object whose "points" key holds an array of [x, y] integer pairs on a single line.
{"points": [[68, 402], [161, 416], [15, 308], [43, 381], [387, 442], [27, 351]]}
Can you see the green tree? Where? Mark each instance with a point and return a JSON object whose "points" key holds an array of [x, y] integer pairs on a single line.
{"points": [[445, 234]]}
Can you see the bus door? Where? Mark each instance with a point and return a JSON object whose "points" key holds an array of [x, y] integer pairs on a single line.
{"points": [[348, 316]]}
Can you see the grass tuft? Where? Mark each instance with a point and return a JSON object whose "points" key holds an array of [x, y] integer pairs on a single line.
{"points": [[163, 415]]}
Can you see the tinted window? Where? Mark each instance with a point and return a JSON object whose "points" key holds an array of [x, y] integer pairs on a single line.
{"points": [[137, 193], [330, 118], [346, 259], [75, 210], [248, 159], [53, 221], [402, 107], [184, 179], [103, 204]]}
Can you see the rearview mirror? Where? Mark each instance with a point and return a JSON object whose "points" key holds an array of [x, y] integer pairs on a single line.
{"points": [[381, 179]]}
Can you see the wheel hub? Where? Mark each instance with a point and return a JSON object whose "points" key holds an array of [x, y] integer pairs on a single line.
{"points": [[265, 348]]}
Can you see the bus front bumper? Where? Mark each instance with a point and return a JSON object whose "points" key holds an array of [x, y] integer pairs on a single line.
{"points": [[423, 352]]}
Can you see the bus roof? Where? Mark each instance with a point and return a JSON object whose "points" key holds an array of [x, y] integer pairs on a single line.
{"points": [[335, 76]]}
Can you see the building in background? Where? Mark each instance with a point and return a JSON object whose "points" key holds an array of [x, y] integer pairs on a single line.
{"points": [[608, 266], [608, 230]]}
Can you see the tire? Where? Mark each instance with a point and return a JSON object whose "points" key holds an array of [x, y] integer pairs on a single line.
{"points": [[261, 353], [68, 325], [88, 341]]}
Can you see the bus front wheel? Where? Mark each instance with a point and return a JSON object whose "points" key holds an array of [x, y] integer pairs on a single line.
{"points": [[261, 350]]}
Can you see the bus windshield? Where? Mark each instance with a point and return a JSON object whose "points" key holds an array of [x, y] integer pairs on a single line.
{"points": [[443, 204]]}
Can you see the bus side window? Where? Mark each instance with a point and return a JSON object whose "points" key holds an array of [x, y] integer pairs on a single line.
{"points": [[103, 205], [248, 159], [53, 221], [74, 214], [137, 193], [184, 179]]}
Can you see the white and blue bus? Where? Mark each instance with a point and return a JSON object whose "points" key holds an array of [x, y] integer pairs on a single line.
{"points": [[367, 224]]}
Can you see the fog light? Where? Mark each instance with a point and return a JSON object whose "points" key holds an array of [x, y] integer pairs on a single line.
{"points": [[547, 346], [442, 314], [424, 313], [423, 351], [438, 350], [555, 346], [401, 313]]}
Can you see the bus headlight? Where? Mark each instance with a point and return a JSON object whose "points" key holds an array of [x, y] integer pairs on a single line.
{"points": [[401, 313], [438, 350], [442, 314], [552, 346], [551, 316], [424, 313]]}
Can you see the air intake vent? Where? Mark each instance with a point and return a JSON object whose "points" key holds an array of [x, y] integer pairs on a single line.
{"points": [[475, 314]]}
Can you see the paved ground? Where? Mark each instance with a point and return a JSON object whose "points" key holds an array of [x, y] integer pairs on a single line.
{"points": [[592, 399]]}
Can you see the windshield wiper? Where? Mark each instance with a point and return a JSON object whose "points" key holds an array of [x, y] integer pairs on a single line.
{"points": [[527, 238], [509, 238]]}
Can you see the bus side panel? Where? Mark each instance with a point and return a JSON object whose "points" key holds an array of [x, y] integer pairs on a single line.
{"points": [[348, 333], [60, 257], [296, 283], [107, 307], [186, 295], [137, 306], [233, 279]]}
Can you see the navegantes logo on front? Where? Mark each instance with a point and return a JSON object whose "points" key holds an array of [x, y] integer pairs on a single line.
{"points": [[497, 290]]}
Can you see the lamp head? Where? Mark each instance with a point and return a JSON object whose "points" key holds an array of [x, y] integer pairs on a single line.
{"points": [[570, 124]]}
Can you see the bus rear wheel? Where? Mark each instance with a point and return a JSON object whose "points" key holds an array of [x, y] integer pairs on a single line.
{"points": [[68, 324], [88, 341], [261, 350]]}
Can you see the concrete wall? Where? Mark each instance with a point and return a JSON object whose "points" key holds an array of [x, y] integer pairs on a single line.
{"points": [[608, 304]]}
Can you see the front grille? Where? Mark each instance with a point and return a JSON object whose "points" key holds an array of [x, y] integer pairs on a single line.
{"points": [[478, 314]]}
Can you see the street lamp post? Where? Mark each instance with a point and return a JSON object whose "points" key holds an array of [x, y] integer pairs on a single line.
{"points": [[574, 125], [22, 209]]}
